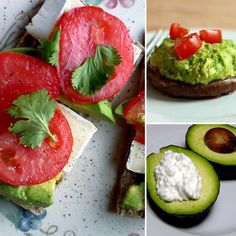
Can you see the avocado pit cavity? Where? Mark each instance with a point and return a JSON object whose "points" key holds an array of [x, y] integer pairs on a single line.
{"points": [[220, 140]]}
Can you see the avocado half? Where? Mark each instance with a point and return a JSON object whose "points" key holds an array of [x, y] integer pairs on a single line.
{"points": [[224, 163], [195, 139], [185, 213]]}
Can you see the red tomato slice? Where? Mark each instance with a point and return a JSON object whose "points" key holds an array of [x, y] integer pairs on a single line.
{"points": [[82, 29], [20, 74], [187, 46], [176, 31], [140, 134], [134, 109], [20, 165], [211, 36]]}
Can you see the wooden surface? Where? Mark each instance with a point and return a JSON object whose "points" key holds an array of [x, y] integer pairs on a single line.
{"points": [[190, 13]]}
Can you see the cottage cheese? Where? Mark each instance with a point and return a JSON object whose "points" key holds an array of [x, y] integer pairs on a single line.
{"points": [[177, 178]]}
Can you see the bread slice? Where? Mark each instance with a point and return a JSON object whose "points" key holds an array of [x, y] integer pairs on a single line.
{"points": [[126, 179], [175, 88]]}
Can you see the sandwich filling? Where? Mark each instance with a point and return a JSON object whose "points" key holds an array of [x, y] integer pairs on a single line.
{"points": [[212, 62]]}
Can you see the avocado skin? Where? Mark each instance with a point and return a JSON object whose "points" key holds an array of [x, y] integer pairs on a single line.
{"points": [[101, 110], [224, 171], [180, 220], [40, 195]]}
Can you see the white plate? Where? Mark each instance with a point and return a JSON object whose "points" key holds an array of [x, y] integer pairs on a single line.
{"points": [[164, 109], [221, 219], [83, 199]]}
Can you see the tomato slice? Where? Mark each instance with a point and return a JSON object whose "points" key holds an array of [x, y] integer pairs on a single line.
{"points": [[20, 74], [20, 165], [82, 29], [134, 114], [211, 36], [176, 31], [139, 134], [134, 110], [187, 46]]}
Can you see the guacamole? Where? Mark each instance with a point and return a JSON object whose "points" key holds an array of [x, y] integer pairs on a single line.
{"points": [[211, 62]]}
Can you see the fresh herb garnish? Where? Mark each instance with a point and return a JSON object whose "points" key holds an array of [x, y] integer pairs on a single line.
{"points": [[49, 49], [34, 111], [96, 71]]}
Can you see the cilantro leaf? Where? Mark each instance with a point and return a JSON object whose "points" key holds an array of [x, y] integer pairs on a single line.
{"points": [[96, 71], [49, 49], [34, 111]]}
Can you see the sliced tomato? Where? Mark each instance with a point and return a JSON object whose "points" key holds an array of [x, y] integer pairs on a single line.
{"points": [[211, 36], [139, 134], [82, 29], [134, 114], [20, 74], [187, 46], [134, 110], [177, 31], [20, 165]]}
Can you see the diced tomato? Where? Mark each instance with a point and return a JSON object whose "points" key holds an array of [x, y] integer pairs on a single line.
{"points": [[139, 134], [20, 165], [187, 46], [82, 29], [20, 74], [176, 31], [134, 110], [211, 36]]}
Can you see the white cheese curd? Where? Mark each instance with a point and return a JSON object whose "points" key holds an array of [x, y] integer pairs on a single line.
{"points": [[177, 178], [136, 160], [43, 22], [82, 132]]}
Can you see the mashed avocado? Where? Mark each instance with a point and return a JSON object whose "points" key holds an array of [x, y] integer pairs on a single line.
{"points": [[211, 62], [40, 195]]}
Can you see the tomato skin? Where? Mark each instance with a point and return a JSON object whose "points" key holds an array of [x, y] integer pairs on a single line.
{"points": [[20, 165], [176, 31], [134, 108], [20, 74], [211, 36], [187, 46], [82, 29]]}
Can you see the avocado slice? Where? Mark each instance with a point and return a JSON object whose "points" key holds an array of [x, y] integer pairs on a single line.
{"points": [[196, 141], [189, 208], [101, 110], [134, 198], [40, 195]]}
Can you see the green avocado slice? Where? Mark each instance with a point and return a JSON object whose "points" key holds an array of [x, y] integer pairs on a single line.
{"points": [[195, 141], [40, 195], [210, 185], [134, 197], [101, 110]]}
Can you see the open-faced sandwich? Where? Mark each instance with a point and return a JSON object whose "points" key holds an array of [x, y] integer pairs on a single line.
{"points": [[39, 139], [131, 196], [91, 49], [193, 65]]}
